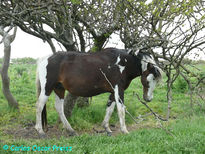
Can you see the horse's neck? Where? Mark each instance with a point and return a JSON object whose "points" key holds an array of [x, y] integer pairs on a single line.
{"points": [[134, 68]]}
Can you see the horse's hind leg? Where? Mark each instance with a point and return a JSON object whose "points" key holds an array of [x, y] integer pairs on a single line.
{"points": [[39, 108], [109, 111], [59, 105]]}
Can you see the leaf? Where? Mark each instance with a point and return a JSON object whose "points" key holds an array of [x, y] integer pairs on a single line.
{"points": [[76, 1]]}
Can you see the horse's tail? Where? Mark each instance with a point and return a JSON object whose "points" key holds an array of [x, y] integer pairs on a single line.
{"points": [[38, 91]]}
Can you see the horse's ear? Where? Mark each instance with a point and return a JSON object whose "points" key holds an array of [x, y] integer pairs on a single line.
{"points": [[129, 51], [136, 52], [157, 72], [133, 52]]}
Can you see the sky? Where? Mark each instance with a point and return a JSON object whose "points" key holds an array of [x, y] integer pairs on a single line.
{"points": [[26, 45]]}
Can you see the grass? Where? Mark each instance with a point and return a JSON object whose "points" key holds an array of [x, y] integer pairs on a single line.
{"points": [[185, 125], [188, 137]]}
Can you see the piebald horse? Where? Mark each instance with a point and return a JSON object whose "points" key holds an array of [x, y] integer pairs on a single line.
{"points": [[89, 74]]}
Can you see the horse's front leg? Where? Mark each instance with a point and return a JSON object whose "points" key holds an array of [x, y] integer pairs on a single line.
{"points": [[109, 111], [119, 99]]}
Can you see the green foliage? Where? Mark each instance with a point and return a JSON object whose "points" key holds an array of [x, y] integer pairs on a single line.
{"points": [[180, 85], [22, 82], [202, 74], [20, 70], [76, 1], [26, 60], [94, 49]]}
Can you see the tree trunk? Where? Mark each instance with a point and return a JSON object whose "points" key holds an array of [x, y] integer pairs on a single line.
{"points": [[69, 104], [7, 39], [169, 99], [70, 100], [82, 102], [169, 93]]}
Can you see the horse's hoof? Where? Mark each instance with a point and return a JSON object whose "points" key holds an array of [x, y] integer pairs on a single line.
{"points": [[107, 129], [45, 129], [109, 133], [73, 133], [124, 131]]}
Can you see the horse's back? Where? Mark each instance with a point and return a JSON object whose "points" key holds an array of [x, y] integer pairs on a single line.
{"points": [[82, 73]]}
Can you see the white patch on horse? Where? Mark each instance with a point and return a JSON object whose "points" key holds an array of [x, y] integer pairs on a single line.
{"points": [[42, 71], [39, 107], [108, 114], [118, 60], [41, 74], [152, 84], [121, 68], [109, 67], [116, 92], [125, 60], [59, 105], [145, 60], [121, 110]]}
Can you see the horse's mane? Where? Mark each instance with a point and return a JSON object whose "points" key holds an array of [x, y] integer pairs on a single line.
{"points": [[147, 58]]}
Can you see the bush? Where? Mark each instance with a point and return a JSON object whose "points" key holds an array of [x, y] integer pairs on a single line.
{"points": [[202, 74], [27, 60], [19, 69], [180, 85]]}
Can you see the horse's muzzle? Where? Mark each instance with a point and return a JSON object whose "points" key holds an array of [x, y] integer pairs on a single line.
{"points": [[146, 99]]}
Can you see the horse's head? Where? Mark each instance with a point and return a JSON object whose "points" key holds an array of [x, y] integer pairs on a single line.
{"points": [[151, 75]]}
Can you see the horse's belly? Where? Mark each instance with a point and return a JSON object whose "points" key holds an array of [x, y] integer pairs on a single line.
{"points": [[86, 91]]}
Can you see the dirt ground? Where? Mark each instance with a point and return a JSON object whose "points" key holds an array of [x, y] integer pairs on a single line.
{"points": [[29, 132]]}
